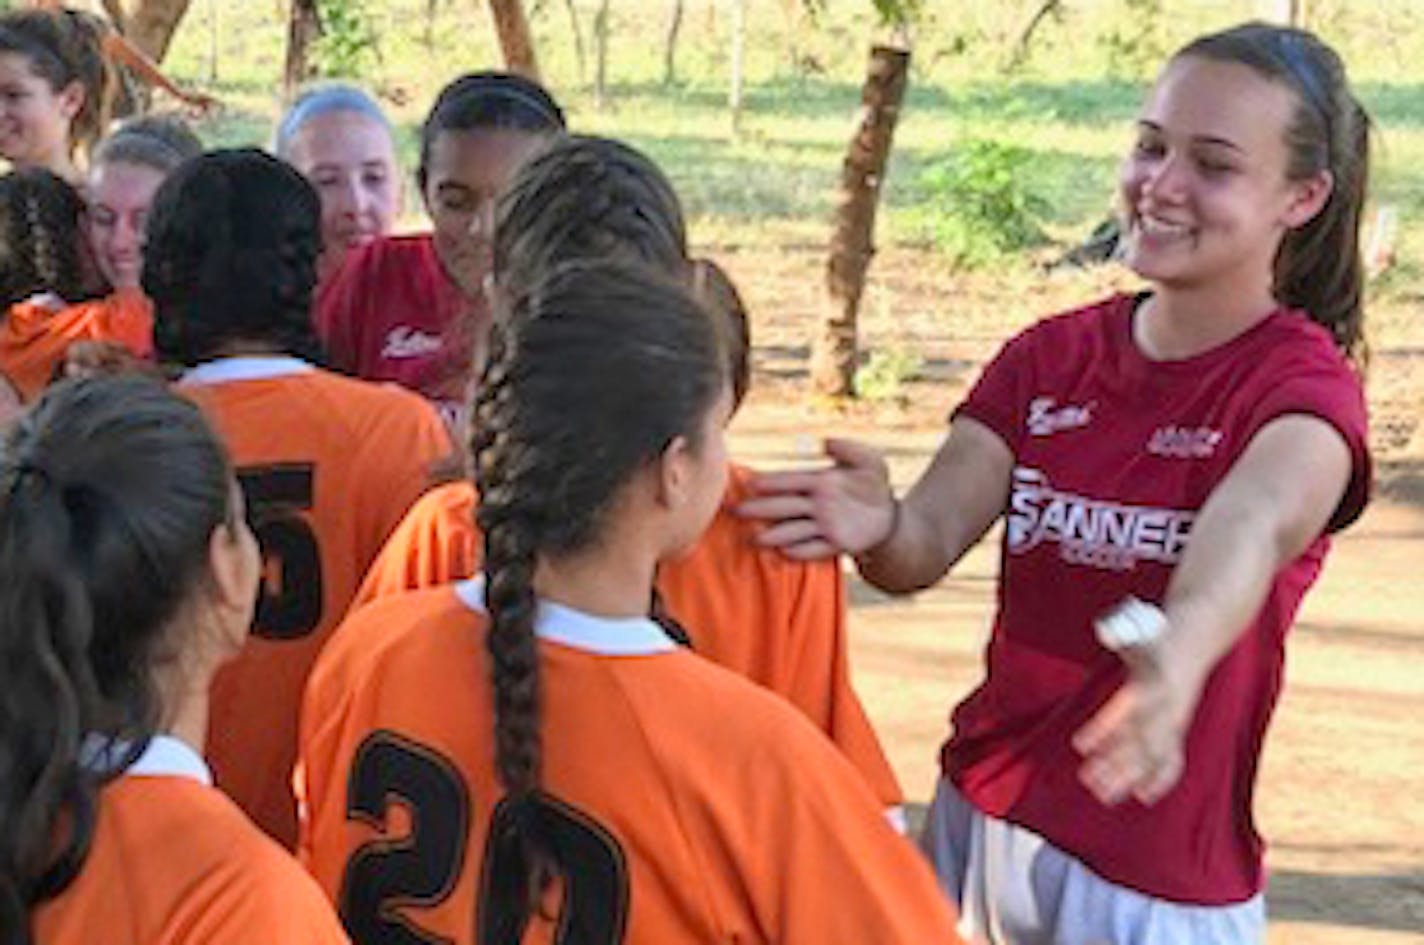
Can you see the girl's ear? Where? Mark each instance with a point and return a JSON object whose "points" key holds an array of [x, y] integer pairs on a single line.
{"points": [[235, 570], [1308, 198], [675, 468], [71, 100]]}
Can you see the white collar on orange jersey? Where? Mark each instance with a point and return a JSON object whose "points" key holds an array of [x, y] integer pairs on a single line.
{"points": [[245, 368], [165, 756], [605, 636]]}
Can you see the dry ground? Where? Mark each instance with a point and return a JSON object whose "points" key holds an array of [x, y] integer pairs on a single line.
{"points": [[1340, 797]]}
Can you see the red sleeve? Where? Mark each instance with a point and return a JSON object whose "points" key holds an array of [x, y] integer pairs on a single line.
{"points": [[1329, 390], [998, 397]]}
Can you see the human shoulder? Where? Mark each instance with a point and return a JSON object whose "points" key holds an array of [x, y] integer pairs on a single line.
{"points": [[223, 880], [368, 408], [1080, 322], [755, 730], [392, 634]]}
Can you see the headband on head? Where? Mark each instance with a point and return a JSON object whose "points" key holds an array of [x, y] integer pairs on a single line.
{"points": [[324, 100]]}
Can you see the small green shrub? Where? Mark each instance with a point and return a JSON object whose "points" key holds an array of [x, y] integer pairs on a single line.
{"points": [[884, 374], [980, 203]]}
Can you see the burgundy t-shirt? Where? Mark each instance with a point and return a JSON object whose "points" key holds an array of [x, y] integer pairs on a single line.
{"points": [[1114, 455], [391, 314]]}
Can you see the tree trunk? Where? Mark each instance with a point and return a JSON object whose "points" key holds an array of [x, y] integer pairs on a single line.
{"points": [[303, 29], [600, 56], [148, 24], [739, 63], [1287, 12], [1021, 47], [515, 40], [674, 26], [834, 349]]}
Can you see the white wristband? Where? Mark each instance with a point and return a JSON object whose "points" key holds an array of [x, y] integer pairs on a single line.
{"points": [[1131, 623]]}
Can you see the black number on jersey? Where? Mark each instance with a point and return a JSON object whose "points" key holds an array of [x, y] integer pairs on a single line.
{"points": [[588, 858], [290, 605], [421, 870]]}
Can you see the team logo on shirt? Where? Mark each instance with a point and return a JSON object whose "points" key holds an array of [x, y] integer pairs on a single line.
{"points": [[406, 342], [1046, 418], [1184, 442], [1090, 532]]}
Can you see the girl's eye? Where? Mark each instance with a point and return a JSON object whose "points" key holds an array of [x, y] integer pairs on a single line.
{"points": [[1148, 148]]}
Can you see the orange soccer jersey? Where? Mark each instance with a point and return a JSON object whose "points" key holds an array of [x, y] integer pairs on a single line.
{"points": [[35, 335], [173, 862], [691, 805], [780, 623], [329, 465]]}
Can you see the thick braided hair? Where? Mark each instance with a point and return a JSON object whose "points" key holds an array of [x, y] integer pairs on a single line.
{"points": [[110, 490], [40, 229], [593, 373], [586, 197], [233, 239], [63, 47]]}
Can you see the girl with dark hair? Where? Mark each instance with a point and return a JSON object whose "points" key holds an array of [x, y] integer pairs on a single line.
{"points": [[342, 142], [778, 622], [1193, 446], [56, 88], [47, 282], [329, 464], [127, 576], [411, 309], [568, 774]]}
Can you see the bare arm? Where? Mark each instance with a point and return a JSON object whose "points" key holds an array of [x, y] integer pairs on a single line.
{"points": [[121, 51], [899, 547], [1275, 501]]}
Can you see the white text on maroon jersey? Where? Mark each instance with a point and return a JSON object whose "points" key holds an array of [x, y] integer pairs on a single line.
{"points": [[1091, 532]]}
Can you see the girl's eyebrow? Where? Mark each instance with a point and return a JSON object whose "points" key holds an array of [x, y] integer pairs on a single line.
{"points": [[1146, 124]]}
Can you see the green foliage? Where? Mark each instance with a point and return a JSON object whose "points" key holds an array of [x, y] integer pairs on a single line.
{"points": [[885, 373], [347, 47], [980, 203], [1133, 46]]}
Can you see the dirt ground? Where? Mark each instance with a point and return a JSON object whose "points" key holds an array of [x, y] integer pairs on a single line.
{"points": [[1341, 794]]}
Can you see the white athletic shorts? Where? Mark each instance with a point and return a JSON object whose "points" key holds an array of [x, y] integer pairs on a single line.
{"points": [[1015, 888]]}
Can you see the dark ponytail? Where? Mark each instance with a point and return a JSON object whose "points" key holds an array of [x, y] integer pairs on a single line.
{"points": [[66, 46], [586, 198], [110, 490], [40, 230], [233, 239], [593, 373], [1318, 268]]}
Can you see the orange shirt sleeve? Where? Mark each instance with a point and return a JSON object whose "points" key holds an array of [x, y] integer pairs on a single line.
{"points": [[821, 683], [436, 543], [275, 903]]}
